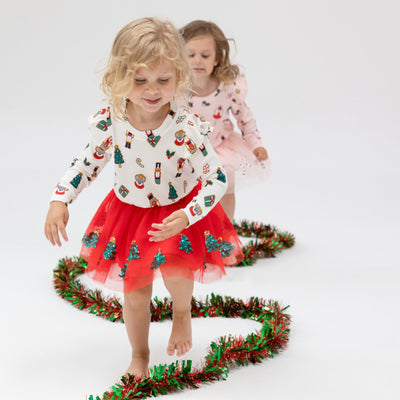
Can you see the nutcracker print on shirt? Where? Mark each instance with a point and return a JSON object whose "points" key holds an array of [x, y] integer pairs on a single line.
{"points": [[152, 168]]}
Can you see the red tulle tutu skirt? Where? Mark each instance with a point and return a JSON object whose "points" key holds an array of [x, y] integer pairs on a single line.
{"points": [[121, 257]]}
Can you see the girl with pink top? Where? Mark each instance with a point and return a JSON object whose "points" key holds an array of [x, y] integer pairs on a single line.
{"points": [[219, 91]]}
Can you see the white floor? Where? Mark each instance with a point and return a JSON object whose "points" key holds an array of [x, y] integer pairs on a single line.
{"points": [[323, 80]]}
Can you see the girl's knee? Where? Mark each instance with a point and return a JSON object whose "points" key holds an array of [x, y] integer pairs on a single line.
{"points": [[173, 280], [139, 297], [177, 281]]}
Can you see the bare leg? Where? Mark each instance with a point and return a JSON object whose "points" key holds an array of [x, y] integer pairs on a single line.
{"points": [[228, 203], [181, 290], [136, 312]]}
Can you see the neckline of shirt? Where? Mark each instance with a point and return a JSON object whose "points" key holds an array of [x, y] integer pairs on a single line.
{"points": [[212, 94], [168, 120]]}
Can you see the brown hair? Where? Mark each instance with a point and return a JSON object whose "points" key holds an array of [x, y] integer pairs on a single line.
{"points": [[144, 42], [224, 71]]}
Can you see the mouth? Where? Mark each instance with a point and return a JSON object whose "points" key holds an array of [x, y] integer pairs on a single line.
{"points": [[152, 102], [198, 70]]}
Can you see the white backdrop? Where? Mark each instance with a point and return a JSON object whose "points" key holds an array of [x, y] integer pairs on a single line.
{"points": [[324, 86]]}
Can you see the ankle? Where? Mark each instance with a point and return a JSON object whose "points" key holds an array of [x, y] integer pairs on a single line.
{"points": [[143, 354]]}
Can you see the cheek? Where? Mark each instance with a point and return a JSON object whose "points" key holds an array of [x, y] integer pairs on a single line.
{"points": [[172, 87], [132, 93]]}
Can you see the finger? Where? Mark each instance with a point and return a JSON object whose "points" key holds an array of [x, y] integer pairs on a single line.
{"points": [[156, 234], [63, 232], [57, 239], [158, 226], [54, 235], [158, 238], [153, 233], [49, 236], [167, 223]]}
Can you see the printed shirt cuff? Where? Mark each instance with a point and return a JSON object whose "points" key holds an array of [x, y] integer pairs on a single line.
{"points": [[194, 212]]}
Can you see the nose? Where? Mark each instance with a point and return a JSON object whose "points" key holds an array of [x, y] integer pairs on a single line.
{"points": [[197, 59], [152, 88]]}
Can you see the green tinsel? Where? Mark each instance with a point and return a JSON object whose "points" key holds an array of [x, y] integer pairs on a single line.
{"points": [[225, 353], [268, 241]]}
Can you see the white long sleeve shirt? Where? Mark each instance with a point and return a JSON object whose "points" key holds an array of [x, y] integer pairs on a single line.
{"points": [[152, 168]]}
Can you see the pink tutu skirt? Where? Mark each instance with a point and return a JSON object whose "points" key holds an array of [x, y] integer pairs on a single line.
{"points": [[121, 257], [240, 163]]}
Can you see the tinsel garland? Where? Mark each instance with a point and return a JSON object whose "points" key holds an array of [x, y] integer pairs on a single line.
{"points": [[225, 353], [268, 241]]}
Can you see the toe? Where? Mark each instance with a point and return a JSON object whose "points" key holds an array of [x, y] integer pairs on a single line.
{"points": [[185, 348], [170, 349], [188, 346]]}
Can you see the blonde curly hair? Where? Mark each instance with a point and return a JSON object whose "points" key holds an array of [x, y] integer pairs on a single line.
{"points": [[145, 42], [224, 71]]}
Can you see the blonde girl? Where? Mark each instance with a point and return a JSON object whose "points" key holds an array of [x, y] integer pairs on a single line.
{"points": [[162, 217], [219, 92]]}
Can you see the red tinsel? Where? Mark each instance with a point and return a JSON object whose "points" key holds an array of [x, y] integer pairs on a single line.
{"points": [[225, 353]]}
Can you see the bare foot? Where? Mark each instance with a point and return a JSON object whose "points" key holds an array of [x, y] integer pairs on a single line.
{"points": [[139, 366], [181, 335]]}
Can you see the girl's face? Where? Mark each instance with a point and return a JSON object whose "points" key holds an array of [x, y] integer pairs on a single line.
{"points": [[202, 55], [153, 87]]}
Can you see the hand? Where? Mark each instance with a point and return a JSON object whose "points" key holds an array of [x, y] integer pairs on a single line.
{"points": [[56, 221], [261, 153], [169, 227]]}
